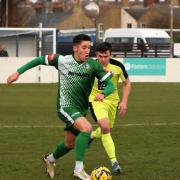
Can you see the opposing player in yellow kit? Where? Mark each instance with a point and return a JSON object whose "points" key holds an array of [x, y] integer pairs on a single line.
{"points": [[104, 112]]}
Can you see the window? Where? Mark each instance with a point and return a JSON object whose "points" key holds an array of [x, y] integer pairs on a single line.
{"points": [[143, 25], [129, 25], [123, 44], [162, 43]]}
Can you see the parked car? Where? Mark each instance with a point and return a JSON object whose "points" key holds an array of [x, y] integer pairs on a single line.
{"points": [[138, 42]]}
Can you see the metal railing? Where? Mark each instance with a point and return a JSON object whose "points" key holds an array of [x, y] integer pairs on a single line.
{"points": [[141, 50], [125, 50]]}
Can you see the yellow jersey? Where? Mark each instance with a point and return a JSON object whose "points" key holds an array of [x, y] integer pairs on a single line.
{"points": [[117, 69]]}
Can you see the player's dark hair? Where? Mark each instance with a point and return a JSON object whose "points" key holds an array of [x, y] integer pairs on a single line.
{"points": [[103, 47], [81, 37]]}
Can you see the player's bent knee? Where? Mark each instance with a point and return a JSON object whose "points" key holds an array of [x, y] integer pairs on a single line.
{"points": [[86, 128], [104, 125], [105, 129], [83, 125]]}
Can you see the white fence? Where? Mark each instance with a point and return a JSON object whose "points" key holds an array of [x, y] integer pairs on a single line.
{"points": [[43, 74], [46, 74]]}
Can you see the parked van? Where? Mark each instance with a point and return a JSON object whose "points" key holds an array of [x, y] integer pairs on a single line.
{"points": [[138, 40]]}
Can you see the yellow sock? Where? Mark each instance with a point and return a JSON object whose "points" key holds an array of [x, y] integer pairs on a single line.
{"points": [[109, 147], [96, 133]]}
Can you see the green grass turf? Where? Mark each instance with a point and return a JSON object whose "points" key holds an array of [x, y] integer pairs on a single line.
{"points": [[147, 140]]}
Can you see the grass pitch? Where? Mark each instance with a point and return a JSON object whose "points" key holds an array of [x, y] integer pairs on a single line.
{"points": [[147, 140]]}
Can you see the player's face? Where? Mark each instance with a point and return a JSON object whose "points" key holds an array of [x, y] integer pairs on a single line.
{"points": [[82, 50], [103, 57]]}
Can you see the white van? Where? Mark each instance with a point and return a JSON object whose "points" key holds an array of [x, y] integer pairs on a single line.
{"points": [[138, 40]]}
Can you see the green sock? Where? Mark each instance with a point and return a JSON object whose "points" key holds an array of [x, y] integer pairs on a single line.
{"points": [[96, 133], [109, 147], [60, 150], [81, 145]]}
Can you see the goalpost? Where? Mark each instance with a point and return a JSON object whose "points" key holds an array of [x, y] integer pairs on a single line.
{"points": [[23, 44], [28, 42]]}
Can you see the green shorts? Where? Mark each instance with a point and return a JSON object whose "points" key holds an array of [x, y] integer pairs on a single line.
{"points": [[69, 115]]}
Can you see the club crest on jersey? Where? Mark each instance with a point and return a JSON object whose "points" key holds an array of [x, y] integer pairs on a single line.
{"points": [[51, 57], [88, 67]]}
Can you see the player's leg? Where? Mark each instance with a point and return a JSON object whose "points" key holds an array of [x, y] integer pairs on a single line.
{"points": [[98, 111], [106, 139], [96, 133], [81, 144], [112, 116], [65, 114], [62, 148], [76, 122], [105, 115], [109, 147]]}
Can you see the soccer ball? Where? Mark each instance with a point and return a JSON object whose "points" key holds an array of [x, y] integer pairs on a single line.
{"points": [[101, 173]]}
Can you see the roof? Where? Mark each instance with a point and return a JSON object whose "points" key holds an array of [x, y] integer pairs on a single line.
{"points": [[162, 9], [111, 17], [50, 19], [136, 13], [76, 20], [165, 10]]}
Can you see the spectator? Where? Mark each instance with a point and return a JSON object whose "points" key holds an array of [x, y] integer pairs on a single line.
{"points": [[3, 51]]}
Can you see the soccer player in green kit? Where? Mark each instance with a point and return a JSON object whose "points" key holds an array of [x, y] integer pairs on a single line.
{"points": [[76, 77]]}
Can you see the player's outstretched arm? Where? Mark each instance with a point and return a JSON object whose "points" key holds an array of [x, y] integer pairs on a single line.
{"points": [[13, 77], [51, 60]]}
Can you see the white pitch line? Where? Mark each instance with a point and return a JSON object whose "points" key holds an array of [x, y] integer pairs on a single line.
{"points": [[151, 124], [118, 125]]}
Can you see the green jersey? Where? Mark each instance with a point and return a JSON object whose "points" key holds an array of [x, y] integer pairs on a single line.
{"points": [[75, 78]]}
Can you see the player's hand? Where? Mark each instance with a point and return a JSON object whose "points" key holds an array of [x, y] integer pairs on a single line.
{"points": [[122, 109], [13, 77], [99, 97]]}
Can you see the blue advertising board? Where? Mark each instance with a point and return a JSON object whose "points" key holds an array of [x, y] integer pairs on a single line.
{"points": [[145, 66]]}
